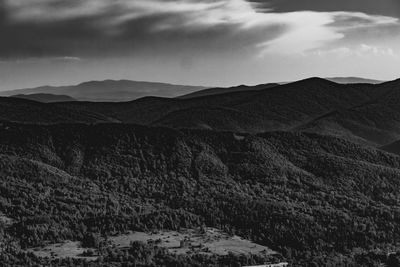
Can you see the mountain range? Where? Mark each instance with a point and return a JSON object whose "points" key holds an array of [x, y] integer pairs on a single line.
{"points": [[109, 90], [310, 169], [126, 90], [362, 113]]}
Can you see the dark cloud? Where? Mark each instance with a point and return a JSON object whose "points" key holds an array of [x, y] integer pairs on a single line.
{"points": [[81, 37], [103, 28], [91, 35], [378, 7]]}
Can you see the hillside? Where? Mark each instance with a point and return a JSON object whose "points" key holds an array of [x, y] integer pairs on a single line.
{"points": [[27, 111], [279, 108], [218, 91], [375, 122], [392, 148], [318, 200], [110, 90], [45, 98], [147, 110]]}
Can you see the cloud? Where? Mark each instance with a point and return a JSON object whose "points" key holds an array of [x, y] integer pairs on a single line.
{"points": [[75, 28], [362, 50], [311, 30], [383, 7]]}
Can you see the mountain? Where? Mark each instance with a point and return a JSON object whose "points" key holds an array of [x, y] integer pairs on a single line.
{"points": [[314, 199], [46, 98], [110, 90], [217, 91], [349, 80]]}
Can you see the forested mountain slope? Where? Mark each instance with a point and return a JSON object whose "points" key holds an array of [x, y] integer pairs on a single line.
{"points": [[313, 198]]}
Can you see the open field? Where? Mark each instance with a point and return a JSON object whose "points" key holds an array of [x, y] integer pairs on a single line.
{"points": [[6, 220], [68, 249], [208, 241]]}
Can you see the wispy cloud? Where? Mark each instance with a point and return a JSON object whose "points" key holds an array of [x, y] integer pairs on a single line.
{"points": [[362, 50]]}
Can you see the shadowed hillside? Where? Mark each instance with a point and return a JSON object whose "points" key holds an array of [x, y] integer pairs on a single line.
{"points": [[280, 108], [46, 98], [27, 111], [392, 148], [218, 91], [375, 122], [312, 198]]}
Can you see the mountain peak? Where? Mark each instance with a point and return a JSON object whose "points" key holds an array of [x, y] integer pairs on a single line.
{"points": [[314, 81], [353, 80]]}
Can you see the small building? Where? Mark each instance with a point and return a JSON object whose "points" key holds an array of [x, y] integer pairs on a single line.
{"points": [[282, 264], [184, 243]]}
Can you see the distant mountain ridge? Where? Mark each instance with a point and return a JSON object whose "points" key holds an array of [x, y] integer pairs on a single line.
{"points": [[225, 90], [110, 90], [349, 80], [46, 98], [127, 90]]}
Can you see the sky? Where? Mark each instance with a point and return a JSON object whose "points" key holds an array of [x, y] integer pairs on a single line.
{"points": [[196, 42]]}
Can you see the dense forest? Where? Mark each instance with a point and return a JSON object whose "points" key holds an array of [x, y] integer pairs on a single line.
{"points": [[317, 200]]}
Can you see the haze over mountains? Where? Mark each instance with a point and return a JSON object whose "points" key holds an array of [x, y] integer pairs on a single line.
{"points": [[126, 90], [110, 90]]}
